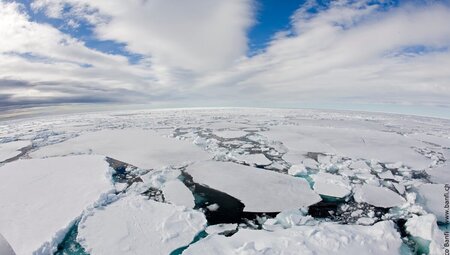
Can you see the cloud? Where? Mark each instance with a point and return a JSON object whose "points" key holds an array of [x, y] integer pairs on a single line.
{"points": [[192, 35], [37, 54], [195, 52], [354, 53]]}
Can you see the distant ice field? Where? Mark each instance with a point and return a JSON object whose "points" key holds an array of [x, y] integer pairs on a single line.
{"points": [[224, 181]]}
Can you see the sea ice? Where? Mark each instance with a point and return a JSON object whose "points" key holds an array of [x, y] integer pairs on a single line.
{"points": [[142, 148], [221, 228], [228, 134], [297, 170], [365, 221], [12, 149], [41, 198], [254, 159], [310, 163], [157, 178], [377, 196], [323, 239], [290, 218], [400, 188], [359, 165], [425, 228], [387, 147], [440, 174], [254, 187], [135, 225], [213, 207], [175, 192], [331, 185], [5, 248], [386, 175], [431, 197]]}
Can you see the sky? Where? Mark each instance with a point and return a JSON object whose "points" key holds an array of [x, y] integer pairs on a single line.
{"points": [[361, 55]]}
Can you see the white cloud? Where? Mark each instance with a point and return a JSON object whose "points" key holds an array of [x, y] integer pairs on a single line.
{"points": [[195, 50], [193, 35], [56, 65], [352, 53]]}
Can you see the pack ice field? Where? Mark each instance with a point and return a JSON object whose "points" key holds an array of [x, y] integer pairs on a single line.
{"points": [[224, 181]]}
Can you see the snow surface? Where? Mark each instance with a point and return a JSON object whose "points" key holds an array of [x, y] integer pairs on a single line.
{"points": [[290, 218], [254, 187], [426, 227], [310, 163], [350, 142], [229, 134], [331, 185], [440, 174], [431, 197], [297, 170], [5, 248], [135, 225], [377, 196], [386, 175], [353, 145], [12, 149], [220, 228], [254, 159], [141, 148], [326, 238], [175, 192], [41, 198], [157, 178]]}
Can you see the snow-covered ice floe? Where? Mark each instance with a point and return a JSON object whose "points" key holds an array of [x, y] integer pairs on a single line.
{"points": [[260, 190], [331, 185], [5, 247], [254, 159], [350, 142], [382, 166], [431, 197], [323, 239], [378, 196], [230, 134], [12, 149], [440, 174], [135, 225], [221, 228], [141, 148], [425, 231], [175, 192], [41, 198]]}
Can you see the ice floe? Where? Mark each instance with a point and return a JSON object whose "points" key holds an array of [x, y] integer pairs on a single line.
{"points": [[323, 239], [229, 134], [377, 196], [135, 225], [290, 218], [5, 248], [141, 148], [41, 198], [12, 149], [331, 185], [221, 228], [297, 170], [175, 192], [426, 233], [431, 197], [440, 174], [254, 187], [399, 157], [254, 159], [355, 143]]}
